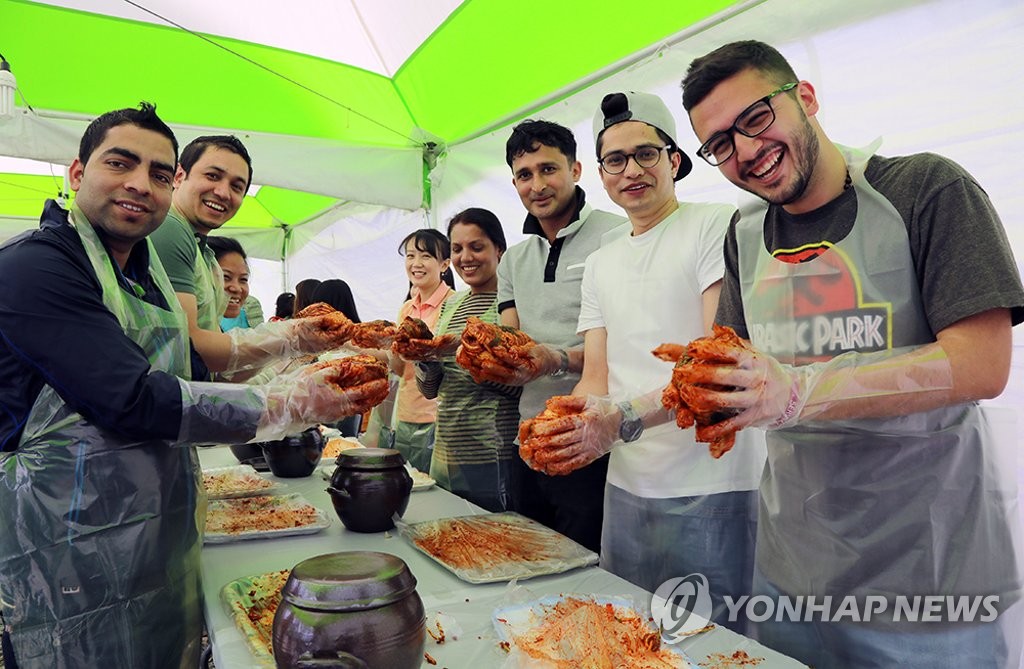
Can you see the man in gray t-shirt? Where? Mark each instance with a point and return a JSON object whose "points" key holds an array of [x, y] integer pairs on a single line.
{"points": [[539, 292], [210, 183]]}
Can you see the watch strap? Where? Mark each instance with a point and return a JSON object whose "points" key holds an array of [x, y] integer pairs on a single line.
{"points": [[632, 425]]}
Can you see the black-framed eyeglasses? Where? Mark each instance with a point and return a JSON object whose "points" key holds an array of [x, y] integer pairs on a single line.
{"points": [[751, 122], [645, 156]]}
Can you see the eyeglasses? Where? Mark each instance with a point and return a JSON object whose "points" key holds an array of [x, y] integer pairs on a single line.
{"points": [[646, 156], [751, 122]]}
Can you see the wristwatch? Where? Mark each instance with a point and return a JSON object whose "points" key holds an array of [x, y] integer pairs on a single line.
{"points": [[632, 426], [564, 366]]}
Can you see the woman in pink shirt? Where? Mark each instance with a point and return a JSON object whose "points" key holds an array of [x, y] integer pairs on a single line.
{"points": [[427, 265]]}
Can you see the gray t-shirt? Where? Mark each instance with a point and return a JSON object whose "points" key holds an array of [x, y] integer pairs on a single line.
{"points": [[547, 297], [961, 255]]}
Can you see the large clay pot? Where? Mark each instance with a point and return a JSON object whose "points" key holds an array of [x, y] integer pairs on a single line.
{"points": [[368, 487], [342, 608], [294, 456]]}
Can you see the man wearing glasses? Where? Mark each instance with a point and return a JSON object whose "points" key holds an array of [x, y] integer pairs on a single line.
{"points": [[879, 295], [671, 510]]}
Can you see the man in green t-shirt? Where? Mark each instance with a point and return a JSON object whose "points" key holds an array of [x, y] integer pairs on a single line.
{"points": [[213, 175]]}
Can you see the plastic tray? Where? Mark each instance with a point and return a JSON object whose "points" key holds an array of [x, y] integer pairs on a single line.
{"points": [[255, 509], [238, 481], [495, 547], [577, 634]]}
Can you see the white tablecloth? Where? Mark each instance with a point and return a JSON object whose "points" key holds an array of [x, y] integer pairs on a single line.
{"points": [[471, 605]]}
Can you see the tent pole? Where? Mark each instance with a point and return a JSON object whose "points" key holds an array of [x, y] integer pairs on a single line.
{"points": [[285, 244]]}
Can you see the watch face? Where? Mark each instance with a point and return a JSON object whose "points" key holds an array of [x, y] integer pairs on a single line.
{"points": [[630, 430], [632, 426]]}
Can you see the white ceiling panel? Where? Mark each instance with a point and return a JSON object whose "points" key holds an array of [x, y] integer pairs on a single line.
{"points": [[374, 35]]}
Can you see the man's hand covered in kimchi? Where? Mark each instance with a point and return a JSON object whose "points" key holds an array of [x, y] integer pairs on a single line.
{"points": [[569, 434], [723, 385]]}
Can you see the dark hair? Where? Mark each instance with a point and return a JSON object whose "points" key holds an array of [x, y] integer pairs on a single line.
{"points": [[304, 293], [530, 134], [285, 306], [336, 293], [712, 69], [224, 245], [195, 149], [436, 244], [483, 219], [144, 117]]}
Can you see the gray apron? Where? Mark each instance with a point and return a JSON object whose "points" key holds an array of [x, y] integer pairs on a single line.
{"points": [[102, 569], [915, 504], [474, 450]]}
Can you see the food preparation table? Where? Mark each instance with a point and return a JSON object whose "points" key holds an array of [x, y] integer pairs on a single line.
{"points": [[471, 605]]}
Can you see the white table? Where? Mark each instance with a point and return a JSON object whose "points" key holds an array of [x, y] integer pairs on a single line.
{"points": [[472, 605]]}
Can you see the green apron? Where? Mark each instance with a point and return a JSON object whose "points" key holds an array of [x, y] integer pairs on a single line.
{"points": [[102, 569], [207, 279]]}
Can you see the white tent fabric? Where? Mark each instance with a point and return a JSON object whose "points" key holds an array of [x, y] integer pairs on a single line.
{"points": [[361, 33], [297, 163]]}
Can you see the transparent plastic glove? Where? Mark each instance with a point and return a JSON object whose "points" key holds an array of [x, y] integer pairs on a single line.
{"points": [[541, 360], [308, 397], [570, 433], [256, 347], [772, 395], [419, 350]]}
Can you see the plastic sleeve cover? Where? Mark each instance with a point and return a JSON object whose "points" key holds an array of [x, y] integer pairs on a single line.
{"points": [[258, 346], [295, 401], [219, 413], [819, 386]]}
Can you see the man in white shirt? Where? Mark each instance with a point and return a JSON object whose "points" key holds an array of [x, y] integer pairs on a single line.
{"points": [[670, 508]]}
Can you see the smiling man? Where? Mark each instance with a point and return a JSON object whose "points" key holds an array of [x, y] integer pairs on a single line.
{"points": [[879, 293], [670, 509], [99, 494], [210, 183], [539, 292]]}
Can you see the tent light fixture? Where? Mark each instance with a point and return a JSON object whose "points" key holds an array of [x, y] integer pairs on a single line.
{"points": [[8, 85]]}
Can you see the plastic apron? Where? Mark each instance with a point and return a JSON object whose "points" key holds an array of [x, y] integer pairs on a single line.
{"points": [[468, 418], [209, 282], [910, 505], [207, 279], [102, 568]]}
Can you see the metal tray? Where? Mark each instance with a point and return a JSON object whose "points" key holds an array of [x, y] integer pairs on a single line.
{"points": [[220, 512], [238, 481], [495, 547]]}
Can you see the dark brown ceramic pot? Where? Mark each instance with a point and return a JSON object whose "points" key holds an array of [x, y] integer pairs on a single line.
{"points": [[340, 609], [296, 455], [246, 452], [368, 487]]}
